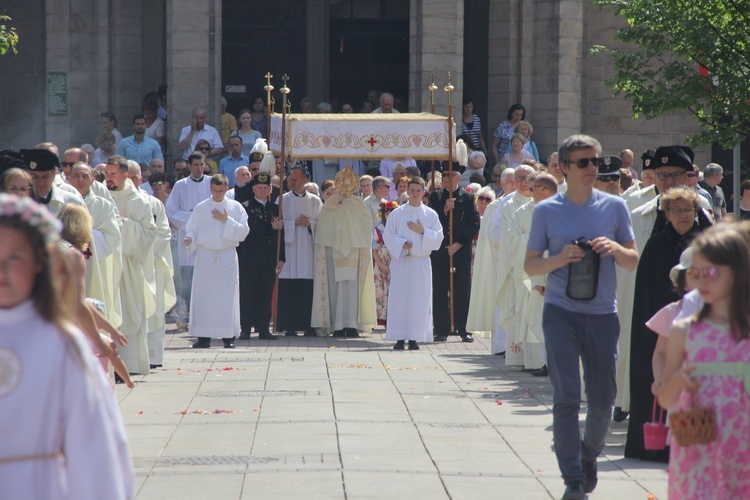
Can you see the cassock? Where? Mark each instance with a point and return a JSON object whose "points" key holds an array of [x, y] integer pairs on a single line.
{"points": [[215, 306], [138, 234], [344, 284], [529, 302], [104, 268], [63, 434], [296, 278], [482, 318], [409, 315], [100, 189], [505, 291], [653, 290], [185, 195], [164, 292]]}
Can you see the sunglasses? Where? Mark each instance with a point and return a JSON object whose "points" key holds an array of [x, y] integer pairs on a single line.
{"points": [[585, 162], [710, 273], [608, 178], [486, 199], [67, 163], [676, 176]]}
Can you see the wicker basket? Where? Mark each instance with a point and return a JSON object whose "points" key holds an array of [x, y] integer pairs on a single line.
{"points": [[693, 426], [655, 432]]}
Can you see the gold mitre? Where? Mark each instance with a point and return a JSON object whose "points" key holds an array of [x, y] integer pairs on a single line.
{"points": [[347, 182]]}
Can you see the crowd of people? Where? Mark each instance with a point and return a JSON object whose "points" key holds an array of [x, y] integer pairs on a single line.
{"points": [[583, 260]]}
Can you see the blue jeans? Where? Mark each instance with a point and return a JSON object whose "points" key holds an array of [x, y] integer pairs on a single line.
{"points": [[593, 337]]}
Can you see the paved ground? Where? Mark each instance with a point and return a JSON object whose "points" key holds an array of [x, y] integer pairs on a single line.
{"points": [[337, 418]]}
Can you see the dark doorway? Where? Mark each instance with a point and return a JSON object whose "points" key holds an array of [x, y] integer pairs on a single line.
{"points": [[369, 50]]}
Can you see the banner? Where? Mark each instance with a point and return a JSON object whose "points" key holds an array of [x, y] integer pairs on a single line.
{"points": [[362, 136]]}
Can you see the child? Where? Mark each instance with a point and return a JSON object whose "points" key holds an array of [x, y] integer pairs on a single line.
{"points": [[62, 434], [708, 356], [382, 260]]}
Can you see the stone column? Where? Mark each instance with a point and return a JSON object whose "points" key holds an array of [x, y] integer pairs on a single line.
{"points": [[436, 45], [317, 35], [193, 64]]}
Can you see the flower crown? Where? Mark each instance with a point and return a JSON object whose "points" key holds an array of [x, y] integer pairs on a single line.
{"points": [[33, 214], [388, 205]]}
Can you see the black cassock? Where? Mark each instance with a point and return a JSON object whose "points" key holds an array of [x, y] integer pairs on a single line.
{"points": [[653, 290]]}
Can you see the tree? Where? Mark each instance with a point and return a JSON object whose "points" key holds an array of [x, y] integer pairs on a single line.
{"points": [[8, 37], [689, 55]]}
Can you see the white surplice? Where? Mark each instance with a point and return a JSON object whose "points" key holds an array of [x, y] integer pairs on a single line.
{"points": [[138, 233], [54, 402], [299, 241], [185, 195], [215, 299], [165, 295], [410, 290]]}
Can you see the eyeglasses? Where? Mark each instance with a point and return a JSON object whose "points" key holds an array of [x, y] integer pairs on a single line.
{"points": [[608, 178], [693, 174], [532, 188], [710, 273], [585, 162], [485, 199], [676, 176], [19, 189], [67, 163], [681, 211], [522, 179]]}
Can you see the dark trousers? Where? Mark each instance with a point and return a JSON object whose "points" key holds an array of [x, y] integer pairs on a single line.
{"points": [[294, 305], [593, 338], [255, 302], [441, 291]]}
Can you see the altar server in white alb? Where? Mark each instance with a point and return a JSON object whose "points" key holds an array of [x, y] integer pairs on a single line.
{"points": [[138, 232], [214, 230], [412, 233], [300, 211]]}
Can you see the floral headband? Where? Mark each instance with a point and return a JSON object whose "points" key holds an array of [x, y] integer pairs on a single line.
{"points": [[33, 214], [388, 205]]}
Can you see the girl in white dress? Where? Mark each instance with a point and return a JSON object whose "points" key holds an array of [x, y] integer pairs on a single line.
{"points": [[61, 432]]}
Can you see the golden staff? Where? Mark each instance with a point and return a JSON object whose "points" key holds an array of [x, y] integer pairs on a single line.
{"points": [[284, 91], [451, 270], [432, 88], [269, 104]]}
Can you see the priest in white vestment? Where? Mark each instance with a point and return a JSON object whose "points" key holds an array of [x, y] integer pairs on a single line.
{"points": [[164, 292], [104, 268], [412, 232], [300, 211], [213, 232], [185, 195], [505, 290], [138, 234], [344, 284]]}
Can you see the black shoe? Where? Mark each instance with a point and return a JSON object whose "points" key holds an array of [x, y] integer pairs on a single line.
{"points": [[467, 338], [439, 338], [339, 333], [500, 354], [619, 415], [245, 336], [413, 346], [290, 334], [574, 491], [351, 333], [229, 343], [118, 379], [541, 372], [399, 345], [268, 336], [590, 477], [202, 343], [310, 332], [154, 366]]}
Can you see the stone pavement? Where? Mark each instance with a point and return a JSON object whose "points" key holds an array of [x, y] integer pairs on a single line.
{"points": [[351, 418]]}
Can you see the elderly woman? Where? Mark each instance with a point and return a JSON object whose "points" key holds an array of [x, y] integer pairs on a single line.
{"points": [[516, 156], [18, 182], [106, 147], [653, 290], [525, 129], [504, 131]]}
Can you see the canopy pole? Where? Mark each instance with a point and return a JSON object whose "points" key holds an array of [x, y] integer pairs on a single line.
{"points": [[451, 270], [284, 91], [432, 88]]}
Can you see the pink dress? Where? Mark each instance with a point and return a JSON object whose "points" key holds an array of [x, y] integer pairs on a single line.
{"points": [[382, 280], [718, 470]]}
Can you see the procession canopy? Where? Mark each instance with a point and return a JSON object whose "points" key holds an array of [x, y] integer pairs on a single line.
{"points": [[362, 136]]}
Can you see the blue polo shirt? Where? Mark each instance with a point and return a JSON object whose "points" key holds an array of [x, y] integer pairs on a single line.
{"points": [[142, 152], [557, 221], [228, 165]]}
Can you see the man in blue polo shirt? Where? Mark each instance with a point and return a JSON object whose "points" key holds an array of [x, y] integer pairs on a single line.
{"points": [[138, 147], [229, 165], [573, 327]]}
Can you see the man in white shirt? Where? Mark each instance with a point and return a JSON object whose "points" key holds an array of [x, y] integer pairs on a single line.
{"points": [[197, 130]]}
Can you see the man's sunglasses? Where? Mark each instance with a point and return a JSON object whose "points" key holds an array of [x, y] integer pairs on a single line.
{"points": [[608, 178], [584, 162]]}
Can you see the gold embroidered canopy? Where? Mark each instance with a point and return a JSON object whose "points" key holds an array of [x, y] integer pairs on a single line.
{"points": [[362, 136]]}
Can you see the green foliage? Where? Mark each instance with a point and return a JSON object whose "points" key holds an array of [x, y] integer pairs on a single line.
{"points": [[8, 37], [658, 70]]}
